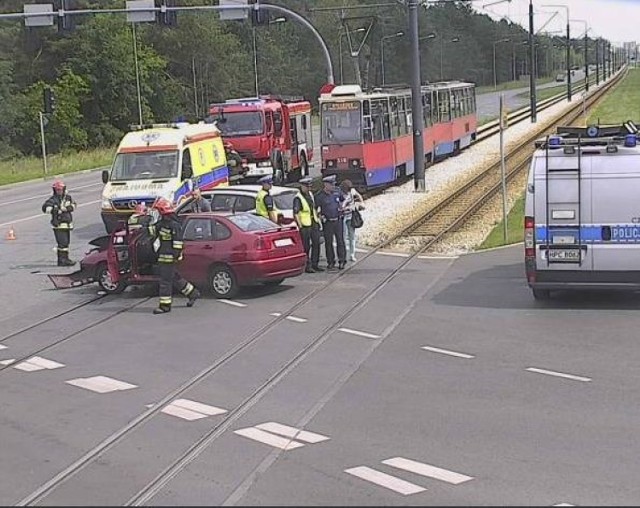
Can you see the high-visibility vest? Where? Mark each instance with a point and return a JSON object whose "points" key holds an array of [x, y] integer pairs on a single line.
{"points": [[261, 206], [306, 212]]}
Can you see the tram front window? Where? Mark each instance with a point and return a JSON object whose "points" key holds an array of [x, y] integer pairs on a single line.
{"points": [[341, 123]]}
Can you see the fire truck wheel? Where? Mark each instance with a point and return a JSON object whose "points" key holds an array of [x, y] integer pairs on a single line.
{"points": [[105, 282]]}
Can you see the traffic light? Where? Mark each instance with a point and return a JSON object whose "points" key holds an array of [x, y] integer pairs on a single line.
{"points": [[66, 22], [259, 17], [168, 18], [49, 101]]}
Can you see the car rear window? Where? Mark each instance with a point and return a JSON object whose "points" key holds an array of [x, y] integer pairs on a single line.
{"points": [[250, 222], [284, 201]]}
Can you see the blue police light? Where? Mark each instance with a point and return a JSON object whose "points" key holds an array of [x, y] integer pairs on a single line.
{"points": [[555, 141], [630, 141]]}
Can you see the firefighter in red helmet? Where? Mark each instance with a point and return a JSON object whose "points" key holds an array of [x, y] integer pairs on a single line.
{"points": [[167, 233], [61, 206]]}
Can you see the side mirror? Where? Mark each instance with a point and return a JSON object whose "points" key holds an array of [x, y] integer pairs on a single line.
{"points": [[105, 176]]}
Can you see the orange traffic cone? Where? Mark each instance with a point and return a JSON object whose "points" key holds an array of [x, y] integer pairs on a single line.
{"points": [[11, 234]]}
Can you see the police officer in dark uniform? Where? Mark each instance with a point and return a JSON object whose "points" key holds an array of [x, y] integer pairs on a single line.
{"points": [[329, 202], [168, 231], [305, 212], [61, 205]]}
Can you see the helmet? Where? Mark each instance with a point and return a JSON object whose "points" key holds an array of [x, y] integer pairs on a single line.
{"points": [[58, 185], [140, 209], [163, 206]]}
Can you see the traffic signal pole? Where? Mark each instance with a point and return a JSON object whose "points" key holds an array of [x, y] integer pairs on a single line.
{"points": [[532, 67], [44, 146]]}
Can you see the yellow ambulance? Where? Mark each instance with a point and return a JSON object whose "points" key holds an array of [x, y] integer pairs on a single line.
{"points": [[167, 160]]}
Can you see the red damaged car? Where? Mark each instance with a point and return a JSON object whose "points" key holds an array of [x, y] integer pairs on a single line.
{"points": [[222, 252]]}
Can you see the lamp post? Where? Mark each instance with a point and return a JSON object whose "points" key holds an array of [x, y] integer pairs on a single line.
{"points": [[495, 74], [568, 48], [455, 39], [281, 19], [586, 54], [533, 103], [386, 38], [342, 34]]}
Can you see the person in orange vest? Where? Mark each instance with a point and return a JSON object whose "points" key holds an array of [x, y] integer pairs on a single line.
{"points": [[61, 206]]}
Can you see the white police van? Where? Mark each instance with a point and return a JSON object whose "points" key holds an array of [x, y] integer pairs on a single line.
{"points": [[582, 210]]}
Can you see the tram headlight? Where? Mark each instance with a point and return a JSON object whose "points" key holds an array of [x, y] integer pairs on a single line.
{"points": [[331, 163], [354, 163]]}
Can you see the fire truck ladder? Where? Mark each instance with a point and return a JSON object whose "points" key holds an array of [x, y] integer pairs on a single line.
{"points": [[569, 147]]}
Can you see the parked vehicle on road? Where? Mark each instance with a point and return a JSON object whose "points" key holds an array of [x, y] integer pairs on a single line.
{"points": [[222, 253], [582, 220], [272, 133], [561, 77], [367, 136], [165, 160]]}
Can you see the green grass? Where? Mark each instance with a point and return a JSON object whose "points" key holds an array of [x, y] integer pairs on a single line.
{"points": [[621, 104], [515, 228], [510, 85], [29, 168]]}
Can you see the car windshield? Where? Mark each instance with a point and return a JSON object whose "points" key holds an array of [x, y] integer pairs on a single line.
{"points": [[284, 201], [249, 222], [145, 166], [241, 124], [341, 122]]}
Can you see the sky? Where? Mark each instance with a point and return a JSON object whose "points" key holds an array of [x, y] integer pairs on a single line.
{"points": [[615, 20]]}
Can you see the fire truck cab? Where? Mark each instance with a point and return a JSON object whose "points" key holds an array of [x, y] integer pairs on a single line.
{"points": [[273, 134]]}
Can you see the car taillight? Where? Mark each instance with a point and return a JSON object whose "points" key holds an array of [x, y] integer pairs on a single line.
{"points": [[261, 244], [529, 237]]}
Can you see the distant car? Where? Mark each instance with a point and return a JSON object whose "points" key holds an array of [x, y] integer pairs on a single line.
{"points": [[222, 252], [242, 198], [560, 77]]}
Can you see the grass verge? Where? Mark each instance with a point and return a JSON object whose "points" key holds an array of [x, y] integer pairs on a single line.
{"points": [[621, 104], [29, 168], [510, 85], [515, 228]]}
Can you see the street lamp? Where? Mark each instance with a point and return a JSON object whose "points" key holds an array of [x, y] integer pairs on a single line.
{"points": [[342, 34], [568, 48], [386, 38], [281, 19], [495, 76], [586, 62], [455, 39]]}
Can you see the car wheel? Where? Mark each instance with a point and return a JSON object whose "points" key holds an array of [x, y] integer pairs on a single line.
{"points": [[222, 282], [541, 294], [275, 282], [106, 284]]}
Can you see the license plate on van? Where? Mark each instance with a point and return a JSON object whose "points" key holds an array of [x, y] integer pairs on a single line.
{"points": [[283, 242], [569, 255]]}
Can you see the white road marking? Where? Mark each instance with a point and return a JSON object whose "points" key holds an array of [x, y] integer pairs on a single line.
{"points": [[446, 352], [564, 504], [290, 318], [7, 362], [191, 410], [269, 439], [49, 194], [559, 374], [426, 470], [292, 432], [385, 480], [17, 221], [2, 346], [448, 258], [232, 303], [101, 384], [36, 363], [359, 333]]}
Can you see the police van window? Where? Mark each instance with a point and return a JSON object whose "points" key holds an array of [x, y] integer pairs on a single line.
{"points": [[198, 230], [220, 232]]}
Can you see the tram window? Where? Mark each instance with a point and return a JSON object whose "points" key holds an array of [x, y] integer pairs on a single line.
{"points": [[394, 120], [402, 116], [408, 110], [380, 120], [341, 122], [443, 106]]}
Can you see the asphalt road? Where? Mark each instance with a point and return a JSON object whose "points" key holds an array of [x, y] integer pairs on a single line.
{"points": [[488, 104], [420, 395]]}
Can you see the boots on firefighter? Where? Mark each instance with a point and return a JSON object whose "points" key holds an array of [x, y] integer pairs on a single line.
{"points": [[63, 259], [162, 309], [195, 294]]}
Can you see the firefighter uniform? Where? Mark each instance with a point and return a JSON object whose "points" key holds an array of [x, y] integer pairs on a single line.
{"points": [[265, 206], [168, 239], [306, 214], [61, 206]]}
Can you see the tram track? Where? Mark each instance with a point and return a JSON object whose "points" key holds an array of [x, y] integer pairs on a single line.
{"points": [[453, 211]]}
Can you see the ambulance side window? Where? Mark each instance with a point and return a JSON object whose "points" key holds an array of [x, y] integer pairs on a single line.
{"points": [[187, 168]]}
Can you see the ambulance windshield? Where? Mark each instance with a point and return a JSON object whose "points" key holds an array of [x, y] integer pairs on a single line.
{"points": [[246, 123], [145, 166]]}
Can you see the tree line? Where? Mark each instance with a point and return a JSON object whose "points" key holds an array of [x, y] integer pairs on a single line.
{"points": [[182, 70]]}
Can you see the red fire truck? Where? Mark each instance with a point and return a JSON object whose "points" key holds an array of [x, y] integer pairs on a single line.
{"points": [[272, 133]]}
